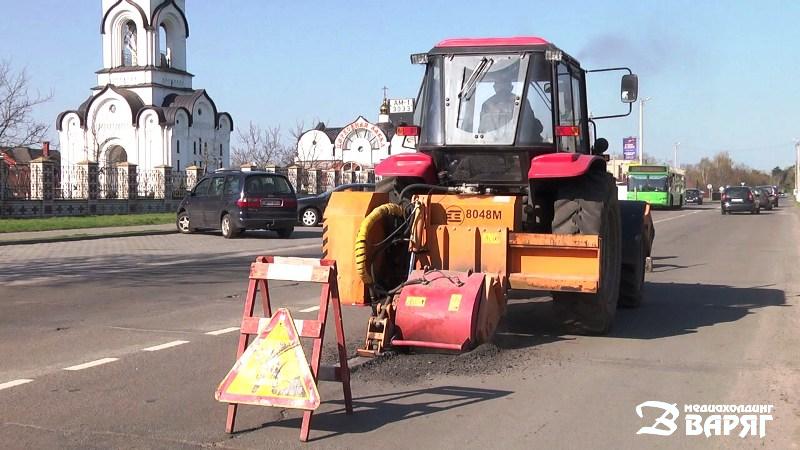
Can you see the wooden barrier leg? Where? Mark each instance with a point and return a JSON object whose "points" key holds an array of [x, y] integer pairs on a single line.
{"points": [[344, 369], [230, 421], [249, 305], [316, 353], [265, 304]]}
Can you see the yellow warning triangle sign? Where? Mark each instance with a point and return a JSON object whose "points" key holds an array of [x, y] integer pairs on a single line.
{"points": [[273, 371]]}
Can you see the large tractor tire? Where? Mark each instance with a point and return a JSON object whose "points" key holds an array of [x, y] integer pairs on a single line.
{"points": [[588, 205]]}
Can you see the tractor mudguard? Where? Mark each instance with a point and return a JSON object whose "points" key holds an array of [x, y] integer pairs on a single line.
{"points": [[410, 165], [637, 225], [562, 165]]}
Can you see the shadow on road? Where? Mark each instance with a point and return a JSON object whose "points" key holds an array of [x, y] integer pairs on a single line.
{"points": [[671, 309], [155, 270], [374, 411], [264, 234], [668, 309]]}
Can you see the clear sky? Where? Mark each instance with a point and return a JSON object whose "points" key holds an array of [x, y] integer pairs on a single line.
{"points": [[723, 75]]}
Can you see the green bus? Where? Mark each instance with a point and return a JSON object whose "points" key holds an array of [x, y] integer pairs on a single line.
{"points": [[659, 185]]}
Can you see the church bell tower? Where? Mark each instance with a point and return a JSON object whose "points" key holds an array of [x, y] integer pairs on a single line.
{"points": [[144, 48]]}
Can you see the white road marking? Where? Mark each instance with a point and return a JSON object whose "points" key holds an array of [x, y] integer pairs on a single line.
{"points": [[11, 384], [311, 309], [223, 331], [89, 364], [156, 348], [682, 215]]}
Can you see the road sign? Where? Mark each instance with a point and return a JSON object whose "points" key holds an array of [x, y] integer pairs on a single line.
{"points": [[709, 186], [629, 148], [273, 371]]}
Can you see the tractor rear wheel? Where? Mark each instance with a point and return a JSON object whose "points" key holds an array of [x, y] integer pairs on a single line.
{"points": [[588, 205]]}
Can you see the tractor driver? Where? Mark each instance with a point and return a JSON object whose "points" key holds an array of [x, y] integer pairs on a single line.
{"points": [[498, 111]]}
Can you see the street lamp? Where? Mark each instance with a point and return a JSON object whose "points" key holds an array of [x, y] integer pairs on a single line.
{"points": [[642, 101], [675, 156]]}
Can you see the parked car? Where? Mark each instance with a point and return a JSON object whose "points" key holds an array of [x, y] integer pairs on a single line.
{"points": [[738, 199], [310, 209], [772, 192], [693, 196], [764, 200], [234, 201]]}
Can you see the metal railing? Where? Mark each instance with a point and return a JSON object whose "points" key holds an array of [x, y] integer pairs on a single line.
{"points": [[74, 182]]}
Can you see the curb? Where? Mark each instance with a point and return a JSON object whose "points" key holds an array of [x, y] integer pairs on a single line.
{"points": [[84, 237]]}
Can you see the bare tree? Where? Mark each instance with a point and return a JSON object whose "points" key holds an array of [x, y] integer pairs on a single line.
{"points": [[17, 126], [260, 146]]}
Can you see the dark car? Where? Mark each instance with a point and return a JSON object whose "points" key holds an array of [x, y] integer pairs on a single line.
{"points": [[772, 192], [693, 196], [739, 199], [764, 200], [234, 201], [310, 209]]}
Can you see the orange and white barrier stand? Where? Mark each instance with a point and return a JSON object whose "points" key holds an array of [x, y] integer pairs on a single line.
{"points": [[273, 370]]}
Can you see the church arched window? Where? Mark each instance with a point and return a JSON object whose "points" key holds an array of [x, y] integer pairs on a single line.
{"points": [[129, 38], [163, 46]]}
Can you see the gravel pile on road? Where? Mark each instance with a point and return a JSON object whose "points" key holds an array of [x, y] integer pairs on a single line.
{"points": [[399, 368]]}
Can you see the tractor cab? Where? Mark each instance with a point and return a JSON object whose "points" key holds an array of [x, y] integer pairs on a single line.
{"points": [[488, 106]]}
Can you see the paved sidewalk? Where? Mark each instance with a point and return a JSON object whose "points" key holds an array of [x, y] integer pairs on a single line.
{"points": [[35, 237]]}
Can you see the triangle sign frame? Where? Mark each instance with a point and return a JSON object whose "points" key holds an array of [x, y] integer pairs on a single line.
{"points": [[273, 371]]}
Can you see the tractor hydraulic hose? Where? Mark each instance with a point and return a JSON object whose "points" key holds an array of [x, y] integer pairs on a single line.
{"points": [[385, 210], [429, 187]]}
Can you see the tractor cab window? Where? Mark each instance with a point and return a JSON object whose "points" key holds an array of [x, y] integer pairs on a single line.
{"points": [[569, 108], [483, 97], [536, 118], [429, 105]]}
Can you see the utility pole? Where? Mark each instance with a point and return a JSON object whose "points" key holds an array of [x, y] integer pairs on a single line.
{"points": [[642, 101], [675, 154], [797, 169]]}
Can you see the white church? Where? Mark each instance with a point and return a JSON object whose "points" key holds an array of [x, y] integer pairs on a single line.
{"points": [[144, 109]]}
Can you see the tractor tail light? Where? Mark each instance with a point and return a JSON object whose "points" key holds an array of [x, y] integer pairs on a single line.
{"points": [[408, 131], [568, 131]]}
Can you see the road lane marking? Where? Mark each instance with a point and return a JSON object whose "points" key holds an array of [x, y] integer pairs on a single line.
{"points": [[89, 364], [678, 217], [311, 309], [222, 331], [156, 348], [11, 384]]}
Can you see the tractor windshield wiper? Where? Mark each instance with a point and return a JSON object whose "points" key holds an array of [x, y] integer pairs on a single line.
{"points": [[476, 76]]}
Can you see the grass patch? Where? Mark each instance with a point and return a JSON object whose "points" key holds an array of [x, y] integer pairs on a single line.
{"points": [[72, 223]]}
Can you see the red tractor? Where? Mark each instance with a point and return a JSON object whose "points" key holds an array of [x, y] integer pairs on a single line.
{"points": [[508, 189]]}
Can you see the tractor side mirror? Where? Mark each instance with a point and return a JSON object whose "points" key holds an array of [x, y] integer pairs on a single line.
{"points": [[600, 146], [629, 88]]}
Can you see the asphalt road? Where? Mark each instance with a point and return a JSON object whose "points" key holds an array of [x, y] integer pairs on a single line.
{"points": [[147, 327]]}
